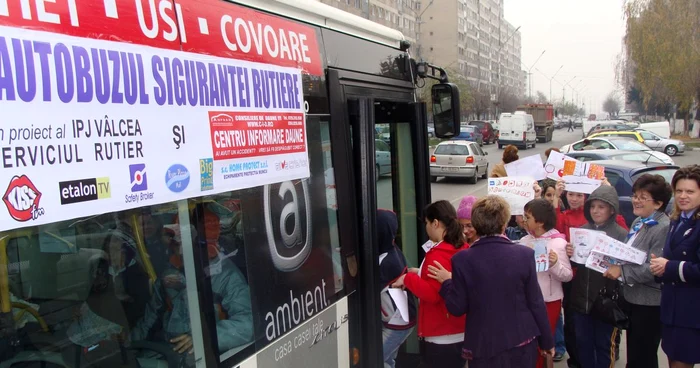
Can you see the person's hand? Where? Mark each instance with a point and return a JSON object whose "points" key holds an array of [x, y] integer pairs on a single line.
{"points": [[613, 273], [569, 250], [399, 282], [553, 258], [658, 265], [438, 272], [550, 352], [560, 187], [538, 189], [414, 270], [183, 343]]}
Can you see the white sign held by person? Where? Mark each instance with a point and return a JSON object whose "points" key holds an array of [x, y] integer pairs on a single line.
{"points": [[583, 241], [530, 166], [517, 191]]}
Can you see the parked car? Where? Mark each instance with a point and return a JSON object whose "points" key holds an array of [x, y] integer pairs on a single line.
{"points": [[589, 124], [470, 133], [486, 130], [578, 123], [459, 159], [558, 123], [609, 154], [623, 174], [382, 157], [609, 127], [670, 147], [614, 143], [431, 131]]}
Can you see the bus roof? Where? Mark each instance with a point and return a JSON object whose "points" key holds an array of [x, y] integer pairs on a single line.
{"points": [[326, 16]]}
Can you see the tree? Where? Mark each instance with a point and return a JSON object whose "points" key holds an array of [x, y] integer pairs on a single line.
{"points": [[611, 105], [541, 98], [663, 52]]}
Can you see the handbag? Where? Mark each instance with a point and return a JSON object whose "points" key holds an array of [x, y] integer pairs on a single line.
{"points": [[609, 307]]}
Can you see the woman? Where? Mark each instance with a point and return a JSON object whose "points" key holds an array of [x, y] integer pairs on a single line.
{"points": [[510, 154], [464, 215], [648, 234], [443, 333], [540, 219], [392, 264], [679, 273], [549, 191], [495, 282]]}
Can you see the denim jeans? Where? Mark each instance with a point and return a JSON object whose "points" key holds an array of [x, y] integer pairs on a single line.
{"points": [[595, 342], [559, 344], [391, 342]]}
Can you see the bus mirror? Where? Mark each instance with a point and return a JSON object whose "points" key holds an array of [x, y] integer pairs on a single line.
{"points": [[446, 111]]}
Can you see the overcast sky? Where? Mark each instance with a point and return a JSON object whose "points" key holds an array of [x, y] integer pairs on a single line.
{"points": [[583, 35]]}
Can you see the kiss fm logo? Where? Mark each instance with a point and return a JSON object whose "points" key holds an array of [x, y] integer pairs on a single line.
{"points": [[288, 223], [23, 199], [290, 164]]}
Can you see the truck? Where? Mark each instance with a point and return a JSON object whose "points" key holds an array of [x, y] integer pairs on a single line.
{"points": [[543, 114]]}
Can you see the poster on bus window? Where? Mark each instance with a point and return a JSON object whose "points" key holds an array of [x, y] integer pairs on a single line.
{"points": [[104, 111]]}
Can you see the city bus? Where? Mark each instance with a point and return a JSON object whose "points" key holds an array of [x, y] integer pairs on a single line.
{"points": [[195, 183]]}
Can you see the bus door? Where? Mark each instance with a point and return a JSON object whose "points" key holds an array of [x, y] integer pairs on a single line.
{"points": [[387, 133]]}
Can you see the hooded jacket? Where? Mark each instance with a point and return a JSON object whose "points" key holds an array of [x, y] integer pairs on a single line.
{"points": [[575, 218], [587, 283], [392, 264]]}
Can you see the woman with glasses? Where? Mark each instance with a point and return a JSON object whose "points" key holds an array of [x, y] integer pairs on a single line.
{"points": [[648, 234]]}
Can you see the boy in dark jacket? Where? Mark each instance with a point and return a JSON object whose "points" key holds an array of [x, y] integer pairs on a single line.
{"points": [[595, 340], [392, 264]]}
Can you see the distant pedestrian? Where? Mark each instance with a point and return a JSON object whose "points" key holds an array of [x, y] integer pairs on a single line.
{"points": [[571, 126]]}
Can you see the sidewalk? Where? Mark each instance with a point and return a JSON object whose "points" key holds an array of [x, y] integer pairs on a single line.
{"points": [[663, 360]]}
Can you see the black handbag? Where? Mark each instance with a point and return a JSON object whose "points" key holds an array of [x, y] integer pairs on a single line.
{"points": [[610, 307]]}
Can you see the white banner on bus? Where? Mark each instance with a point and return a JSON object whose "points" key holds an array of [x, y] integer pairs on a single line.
{"points": [[93, 126]]}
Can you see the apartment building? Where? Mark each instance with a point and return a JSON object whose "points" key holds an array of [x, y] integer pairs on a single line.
{"points": [[471, 36], [481, 39], [397, 14]]}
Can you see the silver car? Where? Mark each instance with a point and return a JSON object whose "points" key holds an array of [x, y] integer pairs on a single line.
{"points": [[668, 146], [459, 159]]}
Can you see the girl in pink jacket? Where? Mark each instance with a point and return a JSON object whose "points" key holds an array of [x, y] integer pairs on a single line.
{"points": [[540, 219]]}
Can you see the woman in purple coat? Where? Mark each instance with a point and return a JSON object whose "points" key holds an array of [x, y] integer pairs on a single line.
{"points": [[495, 283]]}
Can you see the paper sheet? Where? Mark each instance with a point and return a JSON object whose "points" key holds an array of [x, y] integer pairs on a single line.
{"points": [[400, 298], [554, 167], [601, 263], [583, 241], [580, 184], [517, 191], [541, 255], [618, 250], [530, 166]]}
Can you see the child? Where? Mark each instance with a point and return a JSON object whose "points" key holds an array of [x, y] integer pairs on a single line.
{"points": [[540, 220], [392, 264], [595, 340], [464, 215]]}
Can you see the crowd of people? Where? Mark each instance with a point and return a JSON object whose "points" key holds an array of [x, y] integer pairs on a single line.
{"points": [[483, 303]]}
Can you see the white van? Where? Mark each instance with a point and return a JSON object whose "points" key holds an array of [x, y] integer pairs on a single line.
{"points": [[661, 128], [517, 129]]}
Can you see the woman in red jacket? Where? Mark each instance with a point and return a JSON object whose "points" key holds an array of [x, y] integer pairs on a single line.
{"points": [[442, 332]]}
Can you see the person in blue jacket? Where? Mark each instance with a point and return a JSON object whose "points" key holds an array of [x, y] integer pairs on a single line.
{"points": [[678, 271], [234, 325]]}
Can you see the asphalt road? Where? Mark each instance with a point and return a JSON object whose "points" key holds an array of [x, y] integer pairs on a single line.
{"points": [[454, 189]]}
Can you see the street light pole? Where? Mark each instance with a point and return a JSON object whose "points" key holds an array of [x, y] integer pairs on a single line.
{"points": [[574, 87], [529, 74], [550, 82], [563, 89]]}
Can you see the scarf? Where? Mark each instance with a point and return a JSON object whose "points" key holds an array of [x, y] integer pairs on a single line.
{"points": [[649, 221]]}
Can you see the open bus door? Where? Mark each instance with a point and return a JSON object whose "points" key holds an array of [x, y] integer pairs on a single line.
{"points": [[397, 180]]}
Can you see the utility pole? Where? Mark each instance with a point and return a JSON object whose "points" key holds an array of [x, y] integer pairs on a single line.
{"points": [[550, 83], [529, 72]]}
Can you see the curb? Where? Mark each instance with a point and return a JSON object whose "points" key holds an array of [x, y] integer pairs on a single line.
{"points": [[694, 149]]}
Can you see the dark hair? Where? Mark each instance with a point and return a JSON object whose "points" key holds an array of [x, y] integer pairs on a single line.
{"points": [[543, 212], [490, 215], [690, 172], [444, 212], [510, 154], [548, 183], [657, 186], [549, 150]]}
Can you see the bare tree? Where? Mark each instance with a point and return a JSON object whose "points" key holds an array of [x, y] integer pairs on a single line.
{"points": [[541, 98], [611, 105]]}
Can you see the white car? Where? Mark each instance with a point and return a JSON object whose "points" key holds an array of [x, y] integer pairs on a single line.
{"points": [[459, 159], [615, 143]]}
